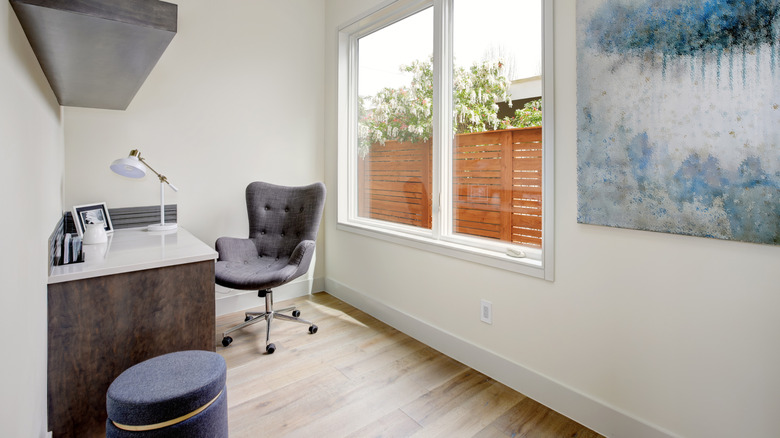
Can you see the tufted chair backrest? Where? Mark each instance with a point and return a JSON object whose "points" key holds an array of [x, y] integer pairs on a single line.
{"points": [[281, 217]]}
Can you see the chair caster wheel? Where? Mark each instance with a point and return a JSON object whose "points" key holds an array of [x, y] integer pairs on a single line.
{"points": [[296, 313], [247, 318], [270, 348], [312, 329], [226, 341]]}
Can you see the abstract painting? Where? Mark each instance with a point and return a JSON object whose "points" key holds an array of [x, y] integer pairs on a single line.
{"points": [[679, 116]]}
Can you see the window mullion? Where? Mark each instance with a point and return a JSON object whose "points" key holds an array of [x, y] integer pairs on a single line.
{"points": [[352, 130], [442, 118]]}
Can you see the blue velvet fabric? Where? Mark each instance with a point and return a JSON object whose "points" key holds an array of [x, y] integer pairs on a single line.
{"points": [[167, 387]]}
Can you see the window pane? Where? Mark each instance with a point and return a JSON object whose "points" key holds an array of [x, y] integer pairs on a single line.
{"points": [[395, 87], [497, 92]]}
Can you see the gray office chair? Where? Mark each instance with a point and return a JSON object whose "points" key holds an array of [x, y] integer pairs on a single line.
{"points": [[283, 223]]}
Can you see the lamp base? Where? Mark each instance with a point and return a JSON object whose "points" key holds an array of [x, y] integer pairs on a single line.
{"points": [[163, 227]]}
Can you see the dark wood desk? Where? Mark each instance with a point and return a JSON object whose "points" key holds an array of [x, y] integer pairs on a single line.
{"points": [[139, 296]]}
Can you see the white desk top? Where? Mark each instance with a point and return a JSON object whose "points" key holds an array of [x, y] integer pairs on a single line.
{"points": [[135, 249]]}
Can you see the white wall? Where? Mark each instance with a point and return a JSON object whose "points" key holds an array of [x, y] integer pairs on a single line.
{"points": [[31, 141], [237, 97], [676, 332]]}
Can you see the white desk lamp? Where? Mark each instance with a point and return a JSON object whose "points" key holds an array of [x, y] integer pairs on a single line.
{"points": [[131, 167]]}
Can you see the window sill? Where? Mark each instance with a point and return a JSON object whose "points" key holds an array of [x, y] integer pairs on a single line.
{"points": [[526, 266]]}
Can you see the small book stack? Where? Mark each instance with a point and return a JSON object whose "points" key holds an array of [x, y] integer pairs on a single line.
{"points": [[68, 250]]}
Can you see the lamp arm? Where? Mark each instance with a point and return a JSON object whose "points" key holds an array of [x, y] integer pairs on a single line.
{"points": [[163, 178]]}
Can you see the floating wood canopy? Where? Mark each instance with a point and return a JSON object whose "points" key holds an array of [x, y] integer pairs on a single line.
{"points": [[97, 53]]}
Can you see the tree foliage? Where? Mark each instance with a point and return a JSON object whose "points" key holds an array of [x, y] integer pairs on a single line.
{"points": [[405, 114], [529, 115]]}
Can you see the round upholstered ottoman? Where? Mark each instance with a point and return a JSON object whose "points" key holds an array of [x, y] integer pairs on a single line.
{"points": [[180, 394]]}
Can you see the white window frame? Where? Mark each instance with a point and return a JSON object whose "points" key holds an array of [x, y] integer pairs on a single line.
{"points": [[439, 239]]}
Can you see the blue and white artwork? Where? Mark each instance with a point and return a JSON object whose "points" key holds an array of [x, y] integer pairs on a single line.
{"points": [[679, 116]]}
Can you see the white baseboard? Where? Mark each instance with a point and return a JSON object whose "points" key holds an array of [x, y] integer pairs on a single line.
{"points": [[233, 300], [598, 416]]}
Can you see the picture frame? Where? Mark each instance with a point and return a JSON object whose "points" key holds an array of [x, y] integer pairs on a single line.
{"points": [[91, 213], [673, 117]]}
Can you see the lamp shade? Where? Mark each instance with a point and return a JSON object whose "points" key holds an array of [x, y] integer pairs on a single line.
{"points": [[135, 167], [130, 167]]}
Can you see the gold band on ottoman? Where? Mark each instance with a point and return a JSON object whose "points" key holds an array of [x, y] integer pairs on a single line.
{"points": [[146, 427]]}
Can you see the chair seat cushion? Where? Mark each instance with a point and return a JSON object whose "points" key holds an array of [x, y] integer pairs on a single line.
{"points": [[165, 387], [256, 273]]}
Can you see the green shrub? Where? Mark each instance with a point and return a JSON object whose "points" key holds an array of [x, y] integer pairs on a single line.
{"points": [[405, 114]]}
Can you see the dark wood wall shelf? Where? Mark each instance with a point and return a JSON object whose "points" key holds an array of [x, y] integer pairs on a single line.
{"points": [[97, 53]]}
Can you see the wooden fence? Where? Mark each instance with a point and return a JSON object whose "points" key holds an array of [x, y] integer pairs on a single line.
{"points": [[497, 184]]}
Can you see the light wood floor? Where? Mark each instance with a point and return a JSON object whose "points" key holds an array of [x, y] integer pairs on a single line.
{"points": [[357, 377]]}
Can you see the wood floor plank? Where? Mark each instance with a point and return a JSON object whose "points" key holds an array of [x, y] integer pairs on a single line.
{"points": [[531, 419], [491, 431], [399, 346], [359, 377], [396, 424], [474, 413], [441, 400], [282, 412], [373, 395]]}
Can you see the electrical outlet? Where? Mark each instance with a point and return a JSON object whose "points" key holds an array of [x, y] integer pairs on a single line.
{"points": [[486, 311]]}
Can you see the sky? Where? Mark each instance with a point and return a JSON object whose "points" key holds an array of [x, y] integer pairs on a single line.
{"points": [[511, 28]]}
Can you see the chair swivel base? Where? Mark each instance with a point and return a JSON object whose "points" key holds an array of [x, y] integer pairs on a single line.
{"points": [[268, 316]]}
